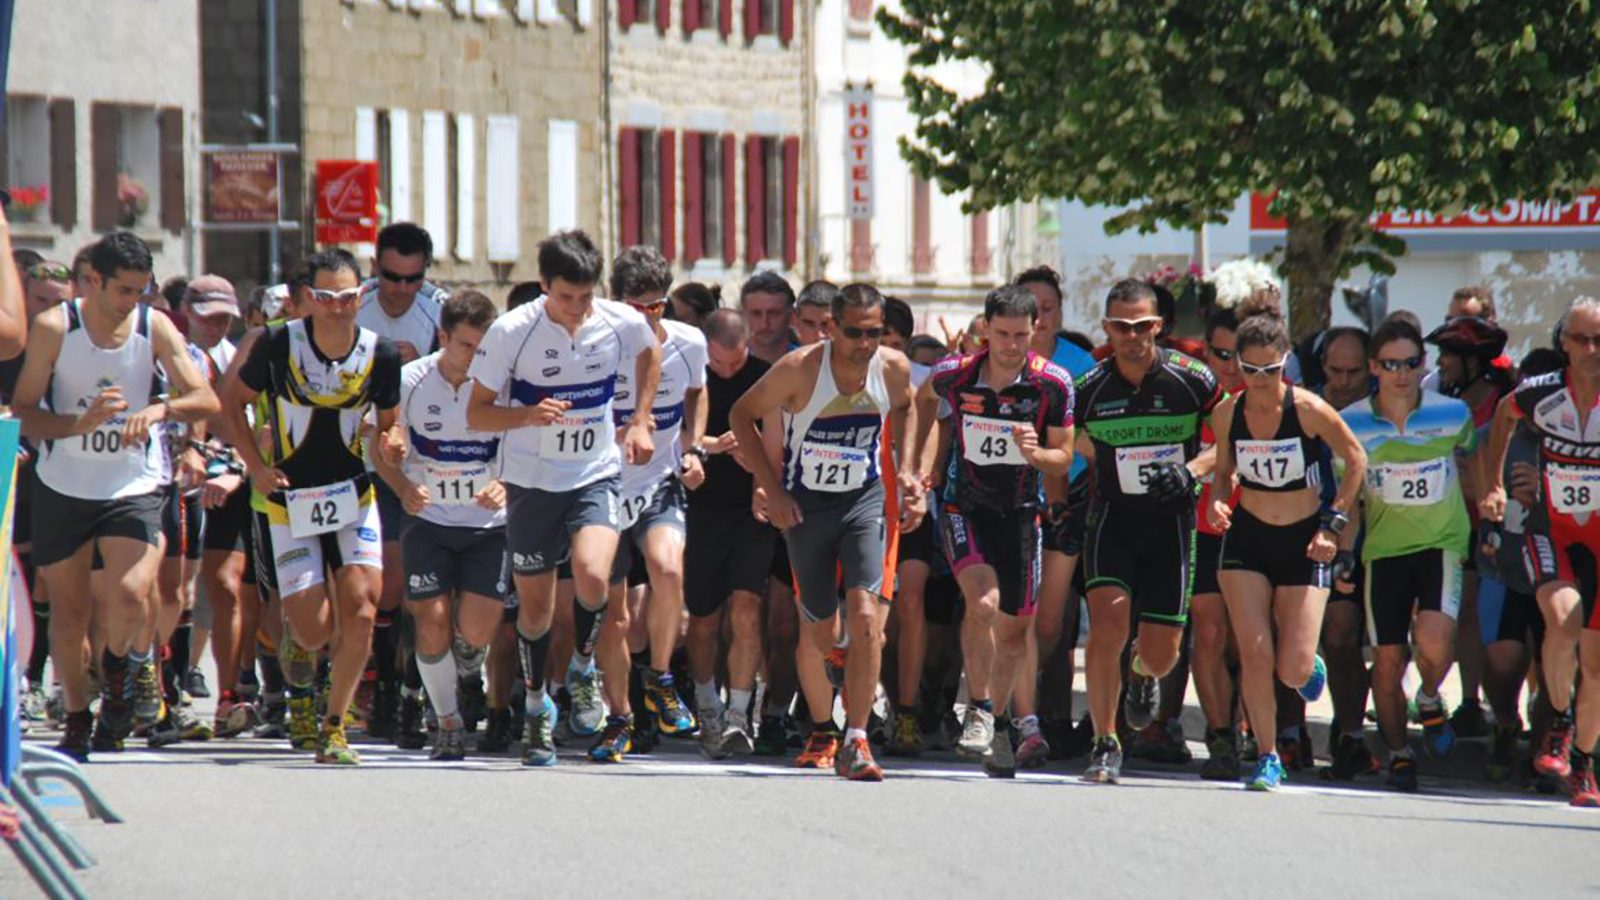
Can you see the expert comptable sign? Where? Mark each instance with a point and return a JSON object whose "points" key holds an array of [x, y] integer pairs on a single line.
{"points": [[858, 151], [1510, 225], [347, 201]]}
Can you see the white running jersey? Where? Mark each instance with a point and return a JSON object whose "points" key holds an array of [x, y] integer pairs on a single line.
{"points": [[527, 356], [833, 445], [222, 354], [451, 460], [683, 366], [418, 326], [96, 465]]}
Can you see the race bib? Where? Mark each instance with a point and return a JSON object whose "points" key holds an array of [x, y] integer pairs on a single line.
{"points": [[631, 508], [579, 436], [456, 484], [989, 442], [1137, 465], [832, 469], [1270, 463], [319, 510], [1574, 489], [103, 443], [1412, 484]]}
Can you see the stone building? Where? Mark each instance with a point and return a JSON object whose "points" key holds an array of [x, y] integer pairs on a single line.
{"points": [[707, 124], [483, 117], [109, 127]]}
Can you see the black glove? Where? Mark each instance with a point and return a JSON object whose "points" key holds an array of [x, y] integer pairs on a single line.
{"points": [[1173, 484], [1344, 564]]}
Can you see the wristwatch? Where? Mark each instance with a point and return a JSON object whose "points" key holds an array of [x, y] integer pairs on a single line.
{"points": [[696, 451]]}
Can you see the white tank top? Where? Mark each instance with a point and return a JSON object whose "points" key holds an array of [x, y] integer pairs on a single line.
{"points": [[96, 465], [833, 445]]}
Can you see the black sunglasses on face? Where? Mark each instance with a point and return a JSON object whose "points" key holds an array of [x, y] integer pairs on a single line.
{"points": [[387, 275], [1395, 365], [1221, 354], [856, 334]]}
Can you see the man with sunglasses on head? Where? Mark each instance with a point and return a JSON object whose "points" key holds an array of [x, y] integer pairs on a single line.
{"points": [[838, 397], [1561, 409], [1416, 533], [398, 303], [1140, 412], [321, 375]]}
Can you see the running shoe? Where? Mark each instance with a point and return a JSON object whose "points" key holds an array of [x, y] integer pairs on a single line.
{"points": [[712, 724], [1002, 759], [906, 738], [191, 727], [1144, 695], [408, 731], [588, 709], [1403, 774], [238, 717], [1249, 748], [772, 738], [1554, 758], [1033, 751], [303, 722], [1502, 753], [662, 702], [449, 744], [822, 747], [539, 733], [1268, 774], [856, 763], [736, 739], [1469, 720], [274, 714], [1350, 758], [1162, 742], [1068, 739], [165, 732], [1581, 786], [75, 742], [333, 748], [977, 733], [1311, 691], [35, 704], [1291, 751], [381, 714], [1222, 756], [616, 740], [108, 732], [195, 684], [148, 706], [1105, 761], [1438, 738], [496, 737], [473, 702]]}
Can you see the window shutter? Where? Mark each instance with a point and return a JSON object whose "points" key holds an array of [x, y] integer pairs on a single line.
{"points": [[668, 174], [103, 127], [64, 163], [436, 176], [694, 196], [562, 177], [980, 243], [752, 19], [755, 201], [502, 189], [399, 165], [628, 181], [627, 13], [791, 201], [466, 186], [691, 22], [730, 200], [725, 17], [786, 21], [585, 13], [174, 205], [663, 15]]}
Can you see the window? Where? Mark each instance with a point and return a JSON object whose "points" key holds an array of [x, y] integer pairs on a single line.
{"points": [[769, 17], [700, 14], [138, 163], [649, 189], [773, 237], [768, 21], [711, 194], [28, 139], [137, 157], [647, 163], [772, 178], [380, 155]]}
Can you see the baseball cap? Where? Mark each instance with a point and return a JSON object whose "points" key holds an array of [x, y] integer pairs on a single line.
{"points": [[209, 295]]}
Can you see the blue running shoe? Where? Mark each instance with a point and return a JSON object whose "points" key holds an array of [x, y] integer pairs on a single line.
{"points": [[1438, 737], [588, 707], [661, 700], [1268, 774], [1311, 691], [615, 740], [541, 727]]}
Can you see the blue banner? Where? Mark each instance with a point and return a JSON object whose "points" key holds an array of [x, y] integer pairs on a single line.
{"points": [[13, 603], [6, 7]]}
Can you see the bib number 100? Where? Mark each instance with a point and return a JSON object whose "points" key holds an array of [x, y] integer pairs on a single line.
{"points": [[102, 441]]}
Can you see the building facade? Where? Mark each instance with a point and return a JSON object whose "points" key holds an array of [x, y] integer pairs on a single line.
{"points": [[707, 128], [109, 129]]}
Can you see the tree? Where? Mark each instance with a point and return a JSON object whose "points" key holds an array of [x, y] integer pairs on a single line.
{"points": [[1339, 109]]}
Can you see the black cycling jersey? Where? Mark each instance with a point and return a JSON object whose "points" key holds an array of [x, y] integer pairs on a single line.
{"points": [[1288, 461]]}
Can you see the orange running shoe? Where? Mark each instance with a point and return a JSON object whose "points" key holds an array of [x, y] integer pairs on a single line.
{"points": [[821, 748], [856, 762]]}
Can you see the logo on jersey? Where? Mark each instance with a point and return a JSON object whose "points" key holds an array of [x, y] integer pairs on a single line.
{"points": [[551, 371], [528, 560], [367, 534], [433, 409], [594, 367], [431, 427], [971, 403], [289, 556], [425, 581], [552, 354]]}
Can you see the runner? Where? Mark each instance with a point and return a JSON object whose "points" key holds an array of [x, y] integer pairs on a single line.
{"points": [[557, 358], [1560, 409], [321, 375], [86, 392], [1140, 412], [454, 543], [1280, 543], [651, 513], [837, 397], [1416, 532], [1005, 424]]}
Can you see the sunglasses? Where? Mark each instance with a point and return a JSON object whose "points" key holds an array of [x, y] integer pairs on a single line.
{"points": [[1221, 354], [346, 296], [387, 275], [654, 307], [1396, 365], [1271, 369], [50, 272], [1586, 341], [1133, 326], [856, 334]]}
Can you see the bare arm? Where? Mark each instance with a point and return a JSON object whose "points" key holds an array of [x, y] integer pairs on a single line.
{"points": [[766, 396], [39, 423], [1221, 460], [195, 399], [696, 409], [1493, 459], [13, 316], [484, 413], [927, 450], [1327, 424]]}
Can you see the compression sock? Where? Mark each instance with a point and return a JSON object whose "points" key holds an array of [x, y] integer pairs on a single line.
{"points": [[585, 631], [438, 674], [531, 652]]}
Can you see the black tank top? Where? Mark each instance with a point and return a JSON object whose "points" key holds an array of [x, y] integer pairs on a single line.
{"points": [[1287, 462]]}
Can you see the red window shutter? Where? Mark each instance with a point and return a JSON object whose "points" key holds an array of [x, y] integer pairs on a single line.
{"points": [[669, 192], [174, 205], [691, 23], [755, 201], [628, 184], [921, 228], [980, 243], [786, 21], [860, 245], [64, 163], [663, 15], [627, 13], [791, 201], [752, 19], [725, 17], [694, 198], [730, 201], [103, 128]]}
